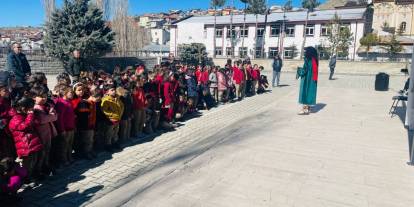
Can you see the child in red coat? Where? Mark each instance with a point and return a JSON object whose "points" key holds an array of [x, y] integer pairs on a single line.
{"points": [[27, 142]]}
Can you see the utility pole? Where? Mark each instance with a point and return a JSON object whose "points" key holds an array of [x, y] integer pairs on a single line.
{"points": [[231, 29], [409, 118]]}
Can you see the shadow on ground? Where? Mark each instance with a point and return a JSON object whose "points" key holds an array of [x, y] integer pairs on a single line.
{"points": [[318, 107]]}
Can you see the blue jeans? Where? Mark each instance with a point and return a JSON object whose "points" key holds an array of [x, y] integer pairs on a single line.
{"points": [[276, 77]]}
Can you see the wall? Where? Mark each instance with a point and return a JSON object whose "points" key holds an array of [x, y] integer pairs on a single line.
{"points": [[198, 33], [344, 67], [53, 66]]}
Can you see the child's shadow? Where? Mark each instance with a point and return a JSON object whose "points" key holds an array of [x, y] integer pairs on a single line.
{"points": [[318, 107]]}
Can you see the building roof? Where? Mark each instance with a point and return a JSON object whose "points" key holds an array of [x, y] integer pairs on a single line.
{"points": [[295, 16], [156, 48]]}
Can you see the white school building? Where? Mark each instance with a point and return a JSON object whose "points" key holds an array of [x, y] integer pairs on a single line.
{"points": [[201, 30]]}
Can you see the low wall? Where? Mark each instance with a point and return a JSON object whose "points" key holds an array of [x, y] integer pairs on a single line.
{"points": [[54, 66], [344, 67]]}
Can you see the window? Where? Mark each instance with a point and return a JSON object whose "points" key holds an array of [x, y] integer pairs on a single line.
{"points": [[290, 31], [245, 32], [233, 31], [288, 53], [403, 26], [218, 51], [324, 30], [260, 32], [229, 51], [310, 30], [343, 26], [243, 52], [258, 52], [219, 33], [274, 31], [273, 51]]}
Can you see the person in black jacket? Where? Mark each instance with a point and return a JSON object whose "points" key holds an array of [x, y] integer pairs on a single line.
{"points": [[332, 65], [75, 66], [18, 64]]}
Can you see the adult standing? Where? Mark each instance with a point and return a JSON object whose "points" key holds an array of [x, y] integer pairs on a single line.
{"points": [[309, 80], [75, 66], [277, 67], [18, 64], [332, 65]]}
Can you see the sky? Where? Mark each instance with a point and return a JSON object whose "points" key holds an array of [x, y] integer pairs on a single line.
{"points": [[30, 12]]}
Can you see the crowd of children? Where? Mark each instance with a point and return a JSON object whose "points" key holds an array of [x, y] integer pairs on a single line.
{"points": [[42, 129]]}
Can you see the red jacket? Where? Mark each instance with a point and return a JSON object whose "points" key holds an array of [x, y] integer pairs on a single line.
{"points": [[25, 138], [169, 93], [255, 74], [238, 75], [139, 101], [66, 115]]}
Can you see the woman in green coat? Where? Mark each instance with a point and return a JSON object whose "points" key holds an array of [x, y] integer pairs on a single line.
{"points": [[309, 80]]}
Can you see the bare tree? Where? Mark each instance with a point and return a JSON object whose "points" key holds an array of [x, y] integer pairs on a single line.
{"points": [[49, 7], [105, 6], [129, 36]]}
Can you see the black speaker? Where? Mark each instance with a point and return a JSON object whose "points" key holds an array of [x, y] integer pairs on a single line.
{"points": [[382, 81]]}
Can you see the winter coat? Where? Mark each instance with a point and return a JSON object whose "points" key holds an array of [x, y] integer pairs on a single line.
{"points": [[222, 82], [112, 108], [169, 93], [332, 62], [139, 101], [25, 138], [75, 66], [127, 101], [66, 115], [18, 64], [82, 110], [44, 126], [212, 78], [277, 65], [191, 86], [255, 74], [238, 75]]}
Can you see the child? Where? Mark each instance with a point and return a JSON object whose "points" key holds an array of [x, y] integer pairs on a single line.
{"points": [[113, 108], [27, 142], [255, 73], [13, 176], [65, 124], [125, 124], [88, 142], [45, 115], [213, 84], [82, 111], [139, 105], [6, 141]]}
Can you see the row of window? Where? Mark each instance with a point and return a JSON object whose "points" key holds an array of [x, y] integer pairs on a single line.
{"points": [[273, 51], [275, 31]]}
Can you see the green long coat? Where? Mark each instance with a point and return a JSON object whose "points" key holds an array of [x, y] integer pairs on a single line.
{"points": [[308, 87]]}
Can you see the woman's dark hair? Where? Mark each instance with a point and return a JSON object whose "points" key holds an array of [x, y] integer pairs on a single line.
{"points": [[310, 52]]}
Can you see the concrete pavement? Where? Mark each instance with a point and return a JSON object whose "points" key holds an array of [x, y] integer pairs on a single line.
{"points": [[258, 152]]}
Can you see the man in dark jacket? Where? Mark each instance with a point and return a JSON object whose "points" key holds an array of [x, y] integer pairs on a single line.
{"points": [[75, 66], [277, 67], [332, 65], [18, 64]]}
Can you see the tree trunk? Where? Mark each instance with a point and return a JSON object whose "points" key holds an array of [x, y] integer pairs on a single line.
{"points": [[214, 35], [244, 24], [304, 35]]}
